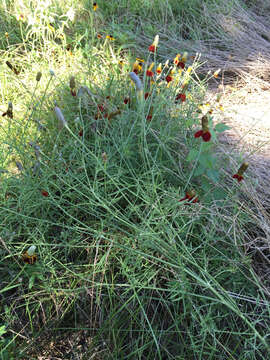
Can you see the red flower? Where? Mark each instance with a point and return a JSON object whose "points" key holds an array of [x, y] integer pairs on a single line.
{"points": [[81, 133], [150, 114], [100, 107], [205, 135], [190, 196], [149, 71], [73, 92], [238, 177], [126, 100], [146, 95], [181, 65], [181, 97], [159, 69], [153, 48], [168, 78], [44, 193], [240, 172]]}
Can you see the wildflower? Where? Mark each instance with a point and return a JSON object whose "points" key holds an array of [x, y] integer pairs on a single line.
{"points": [[51, 28], [110, 37], [216, 73], [21, 17], [80, 133], [204, 108], [72, 85], [204, 133], [16, 71], [190, 196], [140, 61], [126, 100], [150, 114], [137, 67], [61, 120], [44, 193], [9, 111], [113, 114], [6, 35], [95, 6], [121, 62], [176, 59], [181, 63], [146, 95], [159, 69], [29, 257], [38, 77], [169, 77], [180, 96], [220, 107], [184, 86], [153, 48], [99, 36], [101, 107], [149, 71], [240, 172], [184, 57]]}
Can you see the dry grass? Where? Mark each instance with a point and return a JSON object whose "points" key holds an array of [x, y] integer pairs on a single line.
{"points": [[238, 43]]}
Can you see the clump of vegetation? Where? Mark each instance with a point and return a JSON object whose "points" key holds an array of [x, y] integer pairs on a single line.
{"points": [[121, 220]]}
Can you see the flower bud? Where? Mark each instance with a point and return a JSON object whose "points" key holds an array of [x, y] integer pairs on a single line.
{"points": [[38, 77], [205, 123], [61, 120], [242, 169], [31, 250], [72, 82]]}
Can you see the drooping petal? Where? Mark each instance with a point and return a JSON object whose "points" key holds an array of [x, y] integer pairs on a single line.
{"points": [[198, 134], [206, 136]]}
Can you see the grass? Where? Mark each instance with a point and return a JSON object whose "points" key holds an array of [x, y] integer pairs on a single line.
{"points": [[124, 269]]}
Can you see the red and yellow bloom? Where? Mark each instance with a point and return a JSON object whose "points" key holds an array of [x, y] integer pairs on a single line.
{"points": [[153, 47], [180, 96], [204, 133], [29, 257], [137, 67], [239, 175], [149, 71], [159, 69], [44, 193], [191, 197]]}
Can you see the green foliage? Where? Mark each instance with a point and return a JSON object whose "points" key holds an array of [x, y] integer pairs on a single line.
{"points": [[117, 253]]}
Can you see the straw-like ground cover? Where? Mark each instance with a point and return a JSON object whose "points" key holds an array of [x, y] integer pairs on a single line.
{"points": [[129, 228]]}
